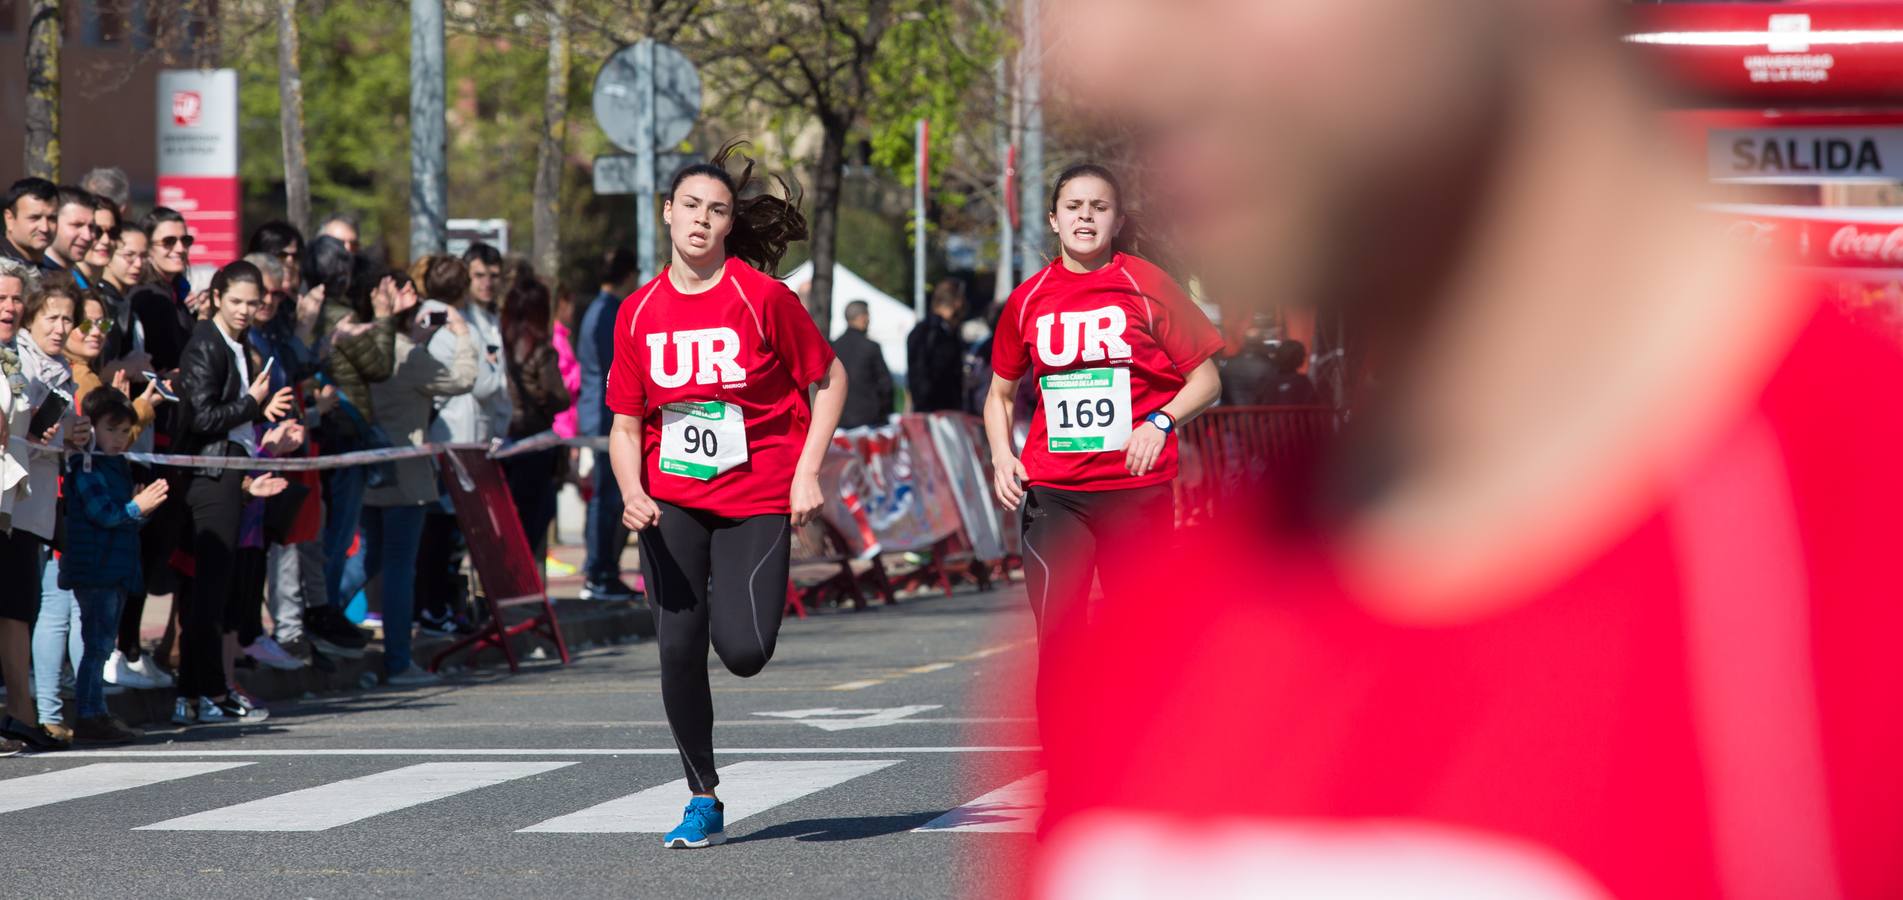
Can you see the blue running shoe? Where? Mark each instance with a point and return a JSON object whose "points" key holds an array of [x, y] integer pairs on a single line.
{"points": [[703, 825]]}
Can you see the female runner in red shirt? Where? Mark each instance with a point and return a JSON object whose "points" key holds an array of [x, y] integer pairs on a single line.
{"points": [[1121, 356], [716, 444]]}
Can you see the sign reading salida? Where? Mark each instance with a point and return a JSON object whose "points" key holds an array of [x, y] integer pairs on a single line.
{"points": [[1805, 155]]}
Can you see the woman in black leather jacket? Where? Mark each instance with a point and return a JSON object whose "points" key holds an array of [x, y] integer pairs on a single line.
{"points": [[223, 395]]}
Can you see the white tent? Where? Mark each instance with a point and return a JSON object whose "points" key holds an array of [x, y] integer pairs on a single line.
{"points": [[891, 321]]}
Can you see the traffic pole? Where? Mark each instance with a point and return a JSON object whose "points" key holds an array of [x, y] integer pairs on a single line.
{"points": [[921, 171]]}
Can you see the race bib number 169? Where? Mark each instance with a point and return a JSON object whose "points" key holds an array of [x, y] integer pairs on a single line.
{"points": [[1087, 410]]}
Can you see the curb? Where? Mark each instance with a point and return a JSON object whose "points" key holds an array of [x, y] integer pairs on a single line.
{"points": [[582, 622]]}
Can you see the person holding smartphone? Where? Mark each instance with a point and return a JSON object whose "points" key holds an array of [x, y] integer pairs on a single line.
{"points": [[223, 393], [393, 513], [46, 316]]}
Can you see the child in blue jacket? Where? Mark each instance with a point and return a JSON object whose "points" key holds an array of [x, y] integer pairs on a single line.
{"points": [[100, 561]]}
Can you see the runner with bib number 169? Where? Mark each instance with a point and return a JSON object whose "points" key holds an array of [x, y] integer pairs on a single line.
{"points": [[717, 444], [1121, 356]]}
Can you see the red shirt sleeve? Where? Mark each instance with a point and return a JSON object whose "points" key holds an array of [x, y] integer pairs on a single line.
{"points": [[1185, 334], [1010, 358], [627, 391], [793, 336]]}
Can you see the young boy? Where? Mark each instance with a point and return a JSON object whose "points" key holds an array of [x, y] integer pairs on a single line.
{"points": [[100, 562]]}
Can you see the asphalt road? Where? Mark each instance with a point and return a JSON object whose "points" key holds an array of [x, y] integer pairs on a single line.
{"points": [[865, 728]]}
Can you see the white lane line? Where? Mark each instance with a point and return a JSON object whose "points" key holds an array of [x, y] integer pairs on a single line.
{"points": [[536, 751], [1012, 808], [342, 802], [29, 791], [746, 789]]}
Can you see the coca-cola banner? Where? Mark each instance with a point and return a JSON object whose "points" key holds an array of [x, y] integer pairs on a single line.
{"points": [[1823, 237], [1782, 55]]}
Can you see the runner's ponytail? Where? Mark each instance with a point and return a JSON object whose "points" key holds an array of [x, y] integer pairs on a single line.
{"points": [[764, 224]]}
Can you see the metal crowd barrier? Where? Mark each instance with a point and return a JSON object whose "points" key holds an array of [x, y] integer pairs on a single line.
{"points": [[1235, 452]]}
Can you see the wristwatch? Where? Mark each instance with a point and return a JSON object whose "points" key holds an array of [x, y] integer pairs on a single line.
{"points": [[1161, 420]]}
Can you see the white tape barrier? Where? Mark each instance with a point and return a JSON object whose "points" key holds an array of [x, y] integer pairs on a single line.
{"points": [[497, 450]]}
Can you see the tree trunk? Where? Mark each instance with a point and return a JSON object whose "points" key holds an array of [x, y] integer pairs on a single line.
{"points": [[42, 89], [547, 203], [825, 225], [297, 177]]}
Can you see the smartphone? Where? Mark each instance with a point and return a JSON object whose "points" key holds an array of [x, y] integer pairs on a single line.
{"points": [[48, 415], [159, 385], [267, 366], [436, 318]]}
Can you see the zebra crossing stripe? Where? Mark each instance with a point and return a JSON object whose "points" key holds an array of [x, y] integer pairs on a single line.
{"points": [[1012, 808], [92, 780], [342, 802], [746, 789]]}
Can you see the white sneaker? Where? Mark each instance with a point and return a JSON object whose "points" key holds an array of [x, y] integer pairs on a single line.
{"points": [[126, 675], [270, 653], [149, 669]]}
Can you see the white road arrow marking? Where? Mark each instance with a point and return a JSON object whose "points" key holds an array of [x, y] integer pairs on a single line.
{"points": [[832, 718]]}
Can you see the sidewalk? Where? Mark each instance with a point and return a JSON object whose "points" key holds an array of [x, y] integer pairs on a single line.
{"points": [[583, 623]]}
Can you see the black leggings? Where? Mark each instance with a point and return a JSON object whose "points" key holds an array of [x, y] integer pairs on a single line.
{"points": [[216, 502], [711, 575], [1071, 536]]}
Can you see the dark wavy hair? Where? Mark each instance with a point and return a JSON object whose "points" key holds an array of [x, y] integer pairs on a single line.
{"points": [[763, 224], [527, 314]]}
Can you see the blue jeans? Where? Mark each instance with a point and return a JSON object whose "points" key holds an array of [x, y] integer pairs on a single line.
{"points": [[606, 537], [56, 634], [391, 537], [88, 627], [343, 501], [99, 620]]}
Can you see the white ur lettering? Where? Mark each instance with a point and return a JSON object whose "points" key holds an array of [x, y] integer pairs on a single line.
{"points": [[1093, 336], [708, 355]]}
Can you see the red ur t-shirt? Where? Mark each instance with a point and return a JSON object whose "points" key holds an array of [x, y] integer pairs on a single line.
{"points": [[746, 341], [1128, 314], [1705, 705]]}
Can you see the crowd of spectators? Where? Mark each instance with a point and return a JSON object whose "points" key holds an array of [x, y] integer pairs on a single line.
{"points": [[302, 346]]}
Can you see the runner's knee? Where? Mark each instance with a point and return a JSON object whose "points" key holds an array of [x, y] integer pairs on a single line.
{"points": [[745, 663]]}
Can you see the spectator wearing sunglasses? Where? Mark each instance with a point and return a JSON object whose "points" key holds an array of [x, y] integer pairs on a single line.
{"points": [[74, 232], [163, 304]]}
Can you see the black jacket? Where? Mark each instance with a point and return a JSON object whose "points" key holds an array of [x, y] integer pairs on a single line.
{"points": [[211, 395], [935, 365], [165, 320], [868, 382]]}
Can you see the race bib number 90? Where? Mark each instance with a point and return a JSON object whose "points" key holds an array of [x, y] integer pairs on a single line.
{"points": [[702, 440], [1087, 410]]}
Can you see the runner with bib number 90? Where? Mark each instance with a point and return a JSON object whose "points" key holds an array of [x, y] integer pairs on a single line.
{"points": [[1121, 356], [716, 444]]}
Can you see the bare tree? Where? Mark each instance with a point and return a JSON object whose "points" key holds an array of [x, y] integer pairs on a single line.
{"points": [[549, 153], [297, 176], [811, 58], [42, 88]]}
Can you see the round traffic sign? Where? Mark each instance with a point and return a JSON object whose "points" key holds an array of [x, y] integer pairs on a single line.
{"points": [[619, 101]]}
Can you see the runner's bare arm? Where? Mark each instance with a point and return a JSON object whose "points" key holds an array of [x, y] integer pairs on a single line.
{"points": [[624, 454], [829, 399], [1008, 475], [1146, 442]]}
